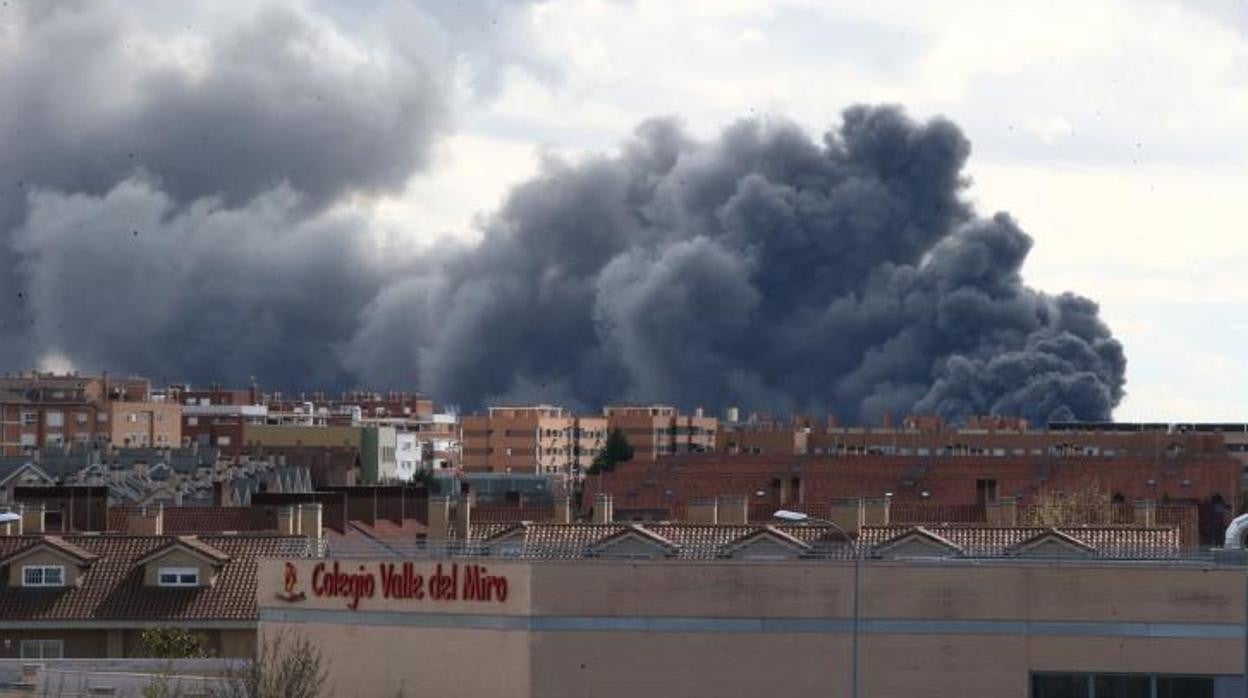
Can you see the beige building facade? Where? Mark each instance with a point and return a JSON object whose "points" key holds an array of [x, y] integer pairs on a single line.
{"points": [[524, 439], [661, 430], [52, 411], [787, 628]]}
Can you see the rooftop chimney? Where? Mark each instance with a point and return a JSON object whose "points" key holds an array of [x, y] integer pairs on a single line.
{"points": [[463, 513], [146, 521], [563, 509], [702, 510], [847, 513], [604, 510], [32, 518], [439, 517], [287, 520], [733, 509], [310, 523]]}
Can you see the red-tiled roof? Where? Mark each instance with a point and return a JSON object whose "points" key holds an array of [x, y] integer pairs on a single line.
{"points": [[496, 513], [203, 519], [180, 520], [112, 587], [794, 482], [696, 541], [704, 541], [192, 544], [55, 543], [1109, 541]]}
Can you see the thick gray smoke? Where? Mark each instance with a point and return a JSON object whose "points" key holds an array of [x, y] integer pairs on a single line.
{"points": [[762, 269], [171, 207], [168, 176]]}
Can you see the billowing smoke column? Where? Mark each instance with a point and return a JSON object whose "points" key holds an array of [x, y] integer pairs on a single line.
{"points": [[762, 269], [172, 209]]}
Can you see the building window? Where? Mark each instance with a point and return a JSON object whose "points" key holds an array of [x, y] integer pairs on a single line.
{"points": [[43, 649], [55, 418], [192, 421], [101, 417], [223, 441], [1081, 685], [30, 419], [178, 577], [43, 576], [80, 417]]}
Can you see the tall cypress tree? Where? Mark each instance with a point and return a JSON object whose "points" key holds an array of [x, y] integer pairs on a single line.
{"points": [[616, 450]]}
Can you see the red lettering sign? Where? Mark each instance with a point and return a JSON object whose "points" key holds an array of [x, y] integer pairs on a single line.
{"points": [[449, 582]]}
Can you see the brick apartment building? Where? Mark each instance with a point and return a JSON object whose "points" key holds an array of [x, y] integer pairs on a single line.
{"points": [[43, 410], [1199, 473], [661, 430], [550, 439], [530, 439]]}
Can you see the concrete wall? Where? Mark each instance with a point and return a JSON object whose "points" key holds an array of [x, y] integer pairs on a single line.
{"points": [[638, 627]]}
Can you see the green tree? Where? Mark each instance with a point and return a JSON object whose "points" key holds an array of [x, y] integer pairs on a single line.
{"points": [[172, 643], [617, 450]]}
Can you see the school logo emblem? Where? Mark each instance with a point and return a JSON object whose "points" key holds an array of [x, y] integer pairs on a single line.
{"points": [[290, 585]]}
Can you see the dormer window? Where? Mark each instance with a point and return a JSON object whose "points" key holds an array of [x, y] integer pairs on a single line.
{"points": [[43, 575], [178, 577]]}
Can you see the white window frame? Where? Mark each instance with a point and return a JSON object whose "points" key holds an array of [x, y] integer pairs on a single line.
{"points": [[54, 419], [43, 570], [42, 649], [181, 577]]}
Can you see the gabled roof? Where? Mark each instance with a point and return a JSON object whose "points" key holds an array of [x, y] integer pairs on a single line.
{"points": [[517, 532], [763, 536], [55, 544], [1109, 541], [190, 544], [634, 533], [8, 471], [921, 537], [1048, 542]]}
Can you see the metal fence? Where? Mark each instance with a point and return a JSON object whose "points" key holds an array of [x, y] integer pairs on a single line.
{"points": [[418, 550]]}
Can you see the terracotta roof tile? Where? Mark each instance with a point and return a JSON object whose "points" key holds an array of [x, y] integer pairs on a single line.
{"points": [[990, 541], [112, 588]]}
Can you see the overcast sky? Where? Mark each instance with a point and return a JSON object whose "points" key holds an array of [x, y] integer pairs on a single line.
{"points": [[1115, 133]]}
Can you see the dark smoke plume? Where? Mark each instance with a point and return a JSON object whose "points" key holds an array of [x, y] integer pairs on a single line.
{"points": [[167, 207], [761, 269], [178, 216]]}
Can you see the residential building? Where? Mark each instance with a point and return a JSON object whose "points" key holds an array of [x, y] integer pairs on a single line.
{"points": [[1208, 478], [520, 439], [660, 430], [44, 410], [93, 596]]}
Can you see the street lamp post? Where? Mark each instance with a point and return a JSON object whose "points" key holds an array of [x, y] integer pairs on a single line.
{"points": [[799, 517]]}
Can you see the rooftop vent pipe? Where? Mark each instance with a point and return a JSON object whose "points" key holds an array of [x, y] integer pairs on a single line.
{"points": [[1235, 533]]}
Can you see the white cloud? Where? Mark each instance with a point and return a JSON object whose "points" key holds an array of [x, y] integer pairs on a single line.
{"points": [[1116, 131]]}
